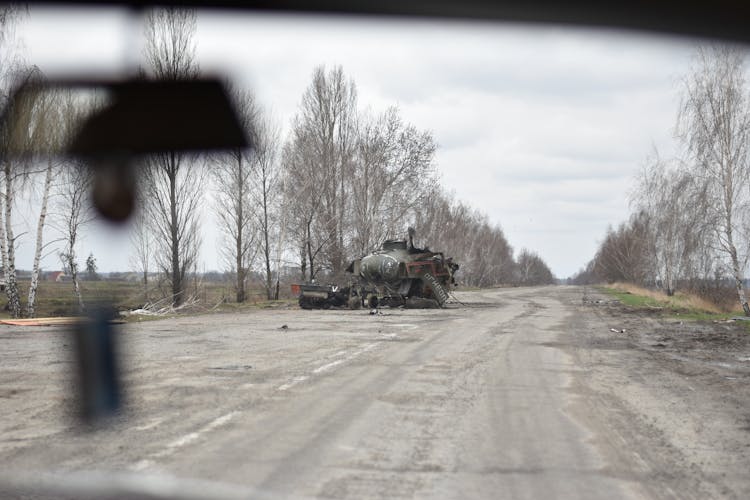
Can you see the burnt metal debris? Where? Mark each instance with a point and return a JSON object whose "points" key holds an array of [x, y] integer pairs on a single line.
{"points": [[398, 274]]}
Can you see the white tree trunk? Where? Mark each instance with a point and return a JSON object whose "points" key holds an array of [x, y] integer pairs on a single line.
{"points": [[30, 307], [9, 254], [3, 244], [74, 277], [737, 273]]}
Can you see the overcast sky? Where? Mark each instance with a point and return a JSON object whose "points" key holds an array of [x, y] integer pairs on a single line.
{"points": [[542, 129]]}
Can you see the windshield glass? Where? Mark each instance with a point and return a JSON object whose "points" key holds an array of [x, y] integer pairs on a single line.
{"points": [[368, 257]]}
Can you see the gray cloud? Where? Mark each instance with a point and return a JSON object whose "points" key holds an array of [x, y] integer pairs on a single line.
{"points": [[540, 128]]}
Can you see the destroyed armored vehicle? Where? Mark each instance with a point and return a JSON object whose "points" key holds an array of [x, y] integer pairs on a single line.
{"points": [[397, 274], [314, 296], [400, 274]]}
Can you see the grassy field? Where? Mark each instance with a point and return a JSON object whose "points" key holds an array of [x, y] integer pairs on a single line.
{"points": [[680, 305], [58, 299]]}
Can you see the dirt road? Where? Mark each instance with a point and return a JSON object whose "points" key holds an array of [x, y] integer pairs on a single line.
{"points": [[516, 393]]}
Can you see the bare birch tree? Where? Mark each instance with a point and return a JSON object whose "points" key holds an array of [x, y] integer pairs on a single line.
{"points": [[714, 125], [12, 72], [74, 208], [466, 235], [39, 246], [26, 133], [172, 184], [532, 270], [75, 212], [56, 128], [489, 257], [626, 253], [32, 120], [675, 204]]}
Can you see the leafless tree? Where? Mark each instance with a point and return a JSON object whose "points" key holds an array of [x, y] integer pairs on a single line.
{"points": [[41, 123], [303, 199], [31, 129], [466, 235], [174, 193], [12, 73], [267, 196], [74, 213], [9, 56], [170, 43], [490, 257], [323, 135], [394, 174], [173, 185], [142, 244], [626, 253], [714, 125], [74, 209], [40, 245], [59, 115], [532, 270], [26, 133], [676, 206], [233, 179], [351, 180]]}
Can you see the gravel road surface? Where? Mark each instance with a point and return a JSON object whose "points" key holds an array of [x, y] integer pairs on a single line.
{"points": [[514, 393]]}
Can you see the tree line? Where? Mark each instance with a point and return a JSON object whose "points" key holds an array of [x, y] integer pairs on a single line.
{"points": [[344, 179], [690, 221], [57, 187]]}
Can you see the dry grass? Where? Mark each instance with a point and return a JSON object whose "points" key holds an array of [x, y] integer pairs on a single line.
{"points": [[680, 300], [58, 299]]}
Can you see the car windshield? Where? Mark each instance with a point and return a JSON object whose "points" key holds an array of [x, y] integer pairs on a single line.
{"points": [[250, 253]]}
